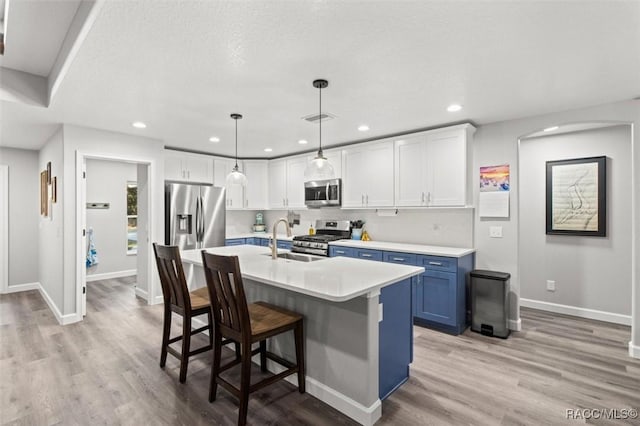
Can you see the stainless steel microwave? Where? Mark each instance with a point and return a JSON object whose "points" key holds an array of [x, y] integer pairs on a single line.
{"points": [[323, 193]]}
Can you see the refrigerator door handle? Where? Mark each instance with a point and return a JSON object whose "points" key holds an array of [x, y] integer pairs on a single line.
{"points": [[197, 222], [201, 238]]}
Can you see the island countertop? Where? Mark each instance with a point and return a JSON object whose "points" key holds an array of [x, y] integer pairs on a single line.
{"points": [[336, 279]]}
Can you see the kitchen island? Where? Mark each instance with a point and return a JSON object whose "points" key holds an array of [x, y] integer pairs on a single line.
{"points": [[340, 300]]}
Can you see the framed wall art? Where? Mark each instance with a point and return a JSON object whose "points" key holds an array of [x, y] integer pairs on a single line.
{"points": [[576, 197], [44, 194]]}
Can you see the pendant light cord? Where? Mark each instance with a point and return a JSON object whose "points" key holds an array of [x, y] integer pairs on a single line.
{"points": [[236, 120], [320, 114]]}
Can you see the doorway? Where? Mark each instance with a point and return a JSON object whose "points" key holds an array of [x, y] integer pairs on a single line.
{"points": [[110, 172], [4, 228]]}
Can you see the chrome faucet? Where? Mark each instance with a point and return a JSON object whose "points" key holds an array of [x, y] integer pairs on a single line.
{"points": [[274, 243]]}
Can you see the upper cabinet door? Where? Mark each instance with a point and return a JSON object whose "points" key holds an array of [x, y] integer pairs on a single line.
{"points": [[199, 168], [295, 182], [188, 167], [278, 184], [257, 186], [378, 169], [410, 171], [173, 166], [447, 168], [354, 176]]}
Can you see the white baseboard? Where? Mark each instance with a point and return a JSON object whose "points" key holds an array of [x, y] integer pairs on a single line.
{"points": [[158, 300], [577, 311], [366, 416], [62, 319], [515, 325], [22, 287], [634, 351], [142, 293], [110, 275]]}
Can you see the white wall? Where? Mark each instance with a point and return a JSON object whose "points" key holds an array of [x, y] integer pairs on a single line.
{"points": [[52, 228], [589, 272], [24, 210], [107, 183], [97, 143], [497, 143]]}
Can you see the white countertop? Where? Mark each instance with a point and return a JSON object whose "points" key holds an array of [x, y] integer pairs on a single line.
{"points": [[405, 248], [333, 278], [281, 237]]}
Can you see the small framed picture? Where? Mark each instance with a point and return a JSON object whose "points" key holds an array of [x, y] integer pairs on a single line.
{"points": [[49, 173], [576, 197], [54, 189]]}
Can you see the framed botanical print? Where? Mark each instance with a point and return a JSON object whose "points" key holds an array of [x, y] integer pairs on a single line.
{"points": [[576, 197]]}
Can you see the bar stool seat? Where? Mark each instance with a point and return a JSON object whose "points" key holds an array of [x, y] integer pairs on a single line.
{"points": [[199, 298]]}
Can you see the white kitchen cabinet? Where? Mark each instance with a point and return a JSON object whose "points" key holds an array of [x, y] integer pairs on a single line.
{"points": [[256, 192], [286, 183], [367, 173], [431, 168], [187, 167], [234, 193]]}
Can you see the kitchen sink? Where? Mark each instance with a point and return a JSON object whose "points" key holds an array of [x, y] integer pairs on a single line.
{"points": [[298, 257]]}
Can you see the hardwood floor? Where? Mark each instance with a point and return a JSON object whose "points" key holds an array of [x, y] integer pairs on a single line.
{"points": [[105, 371]]}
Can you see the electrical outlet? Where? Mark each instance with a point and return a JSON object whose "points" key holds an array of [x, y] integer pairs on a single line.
{"points": [[551, 285], [495, 231]]}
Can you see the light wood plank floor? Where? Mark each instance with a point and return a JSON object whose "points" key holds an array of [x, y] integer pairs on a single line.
{"points": [[105, 371]]}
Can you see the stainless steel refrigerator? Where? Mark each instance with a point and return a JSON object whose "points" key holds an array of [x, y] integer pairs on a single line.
{"points": [[194, 215]]}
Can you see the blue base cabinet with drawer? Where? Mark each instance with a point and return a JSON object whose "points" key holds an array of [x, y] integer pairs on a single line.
{"points": [[234, 241], [395, 329], [440, 294]]}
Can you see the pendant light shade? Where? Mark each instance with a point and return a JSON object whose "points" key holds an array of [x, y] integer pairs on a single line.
{"points": [[236, 177], [319, 168]]}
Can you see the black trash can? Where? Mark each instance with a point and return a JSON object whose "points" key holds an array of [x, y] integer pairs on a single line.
{"points": [[489, 302]]}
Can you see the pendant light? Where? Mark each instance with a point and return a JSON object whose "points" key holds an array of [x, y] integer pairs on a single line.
{"points": [[236, 177], [319, 168]]}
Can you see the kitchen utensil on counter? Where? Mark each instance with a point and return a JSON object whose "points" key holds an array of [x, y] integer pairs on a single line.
{"points": [[356, 234]]}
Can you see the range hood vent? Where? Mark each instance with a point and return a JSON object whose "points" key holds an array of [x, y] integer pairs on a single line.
{"points": [[314, 118]]}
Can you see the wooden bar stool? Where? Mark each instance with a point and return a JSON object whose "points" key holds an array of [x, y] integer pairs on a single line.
{"points": [[246, 324], [178, 299]]}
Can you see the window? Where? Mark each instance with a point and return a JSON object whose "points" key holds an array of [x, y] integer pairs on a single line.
{"points": [[132, 217]]}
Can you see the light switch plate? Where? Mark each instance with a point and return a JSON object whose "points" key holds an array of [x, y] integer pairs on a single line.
{"points": [[495, 231]]}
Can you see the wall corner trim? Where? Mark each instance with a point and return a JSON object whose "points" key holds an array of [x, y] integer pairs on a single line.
{"points": [[515, 325], [577, 311], [62, 319], [634, 351]]}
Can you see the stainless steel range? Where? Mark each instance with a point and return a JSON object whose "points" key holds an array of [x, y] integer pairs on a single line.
{"points": [[326, 231]]}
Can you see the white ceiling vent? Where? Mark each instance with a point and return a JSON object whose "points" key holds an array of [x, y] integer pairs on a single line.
{"points": [[314, 118]]}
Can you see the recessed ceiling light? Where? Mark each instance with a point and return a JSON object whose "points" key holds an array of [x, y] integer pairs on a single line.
{"points": [[268, 150], [454, 108], [551, 129], [302, 142], [214, 139], [139, 125], [363, 128]]}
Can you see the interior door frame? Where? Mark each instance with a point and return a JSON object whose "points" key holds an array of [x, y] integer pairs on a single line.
{"points": [[81, 239], [4, 227]]}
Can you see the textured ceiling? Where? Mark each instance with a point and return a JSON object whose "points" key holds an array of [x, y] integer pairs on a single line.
{"points": [[183, 66]]}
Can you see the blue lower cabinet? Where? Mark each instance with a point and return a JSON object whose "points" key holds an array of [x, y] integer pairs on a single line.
{"points": [[440, 293], [368, 254], [234, 242], [285, 245], [340, 251], [262, 242], [250, 241], [395, 337], [435, 297]]}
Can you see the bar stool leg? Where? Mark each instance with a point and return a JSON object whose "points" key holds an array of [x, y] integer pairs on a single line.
{"points": [[263, 356], [245, 381], [299, 340], [186, 343], [166, 330], [215, 366]]}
